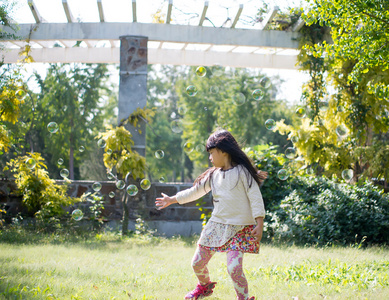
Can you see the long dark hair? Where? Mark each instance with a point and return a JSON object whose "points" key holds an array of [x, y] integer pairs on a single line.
{"points": [[224, 141]]}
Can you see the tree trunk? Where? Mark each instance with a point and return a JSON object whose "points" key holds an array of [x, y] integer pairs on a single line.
{"points": [[71, 153], [71, 163], [126, 217], [174, 176], [183, 167]]}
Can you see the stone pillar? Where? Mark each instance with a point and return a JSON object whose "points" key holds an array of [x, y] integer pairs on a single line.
{"points": [[133, 85]]}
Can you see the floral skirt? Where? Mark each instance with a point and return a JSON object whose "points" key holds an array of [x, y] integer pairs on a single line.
{"points": [[223, 238]]}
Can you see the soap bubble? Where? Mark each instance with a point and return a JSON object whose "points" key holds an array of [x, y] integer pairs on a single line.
{"points": [[101, 143], [30, 163], [200, 148], [347, 174], [201, 71], [309, 171], [110, 176], [145, 184], [109, 151], [265, 82], [111, 194], [120, 184], [270, 124], [323, 105], [191, 90], [159, 154], [177, 126], [340, 108], [81, 149], [258, 94], [300, 112], [60, 161], [214, 89], [132, 190], [282, 174], [20, 94], [181, 110], [96, 186], [162, 179], [52, 127], [188, 147], [77, 215], [239, 99], [294, 139], [64, 173], [341, 130], [218, 72], [290, 152]]}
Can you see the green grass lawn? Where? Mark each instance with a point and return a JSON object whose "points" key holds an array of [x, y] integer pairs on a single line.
{"points": [[108, 267]]}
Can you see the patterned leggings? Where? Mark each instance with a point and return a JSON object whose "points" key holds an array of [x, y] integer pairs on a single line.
{"points": [[234, 266]]}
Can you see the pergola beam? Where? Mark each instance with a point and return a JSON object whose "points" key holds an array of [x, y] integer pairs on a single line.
{"points": [[68, 13], [159, 33], [202, 18], [169, 12], [270, 17], [101, 10], [34, 11], [134, 19], [237, 16], [158, 56]]}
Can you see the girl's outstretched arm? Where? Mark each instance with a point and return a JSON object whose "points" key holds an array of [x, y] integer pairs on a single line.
{"points": [[165, 201]]}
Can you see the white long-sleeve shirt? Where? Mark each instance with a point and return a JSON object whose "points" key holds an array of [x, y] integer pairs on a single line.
{"points": [[235, 202]]}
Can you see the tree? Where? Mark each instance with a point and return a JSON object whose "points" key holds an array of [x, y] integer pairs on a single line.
{"points": [[12, 90], [238, 100], [180, 118], [159, 134], [359, 32], [119, 157], [72, 97], [344, 103]]}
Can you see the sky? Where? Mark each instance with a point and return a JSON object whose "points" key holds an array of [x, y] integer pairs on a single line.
{"points": [[184, 12]]}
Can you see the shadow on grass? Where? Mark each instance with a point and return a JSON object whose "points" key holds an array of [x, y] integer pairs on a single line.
{"points": [[90, 239]]}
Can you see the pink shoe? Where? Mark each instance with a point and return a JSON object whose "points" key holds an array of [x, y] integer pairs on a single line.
{"points": [[201, 291]]}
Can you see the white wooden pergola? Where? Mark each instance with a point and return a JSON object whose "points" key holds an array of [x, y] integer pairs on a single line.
{"points": [[167, 43]]}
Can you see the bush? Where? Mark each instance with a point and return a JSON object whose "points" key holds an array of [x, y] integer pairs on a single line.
{"points": [[41, 195], [321, 211], [267, 159]]}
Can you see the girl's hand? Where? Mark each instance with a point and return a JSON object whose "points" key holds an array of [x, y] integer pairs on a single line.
{"points": [[257, 233], [262, 175], [165, 201]]}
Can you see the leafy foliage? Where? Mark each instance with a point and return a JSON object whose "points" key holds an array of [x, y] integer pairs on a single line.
{"points": [[119, 155], [223, 100], [77, 98], [70, 95], [319, 211], [122, 158], [266, 158], [343, 48], [163, 97], [359, 31], [6, 8], [42, 196]]}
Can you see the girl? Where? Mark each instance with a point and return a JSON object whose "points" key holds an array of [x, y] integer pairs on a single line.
{"points": [[237, 219]]}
